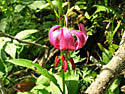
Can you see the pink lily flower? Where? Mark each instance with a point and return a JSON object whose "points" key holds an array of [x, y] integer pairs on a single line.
{"points": [[63, 39]]}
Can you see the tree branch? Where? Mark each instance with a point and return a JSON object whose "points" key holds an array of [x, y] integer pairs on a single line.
{"points": [[109, 71], [22, 41]]}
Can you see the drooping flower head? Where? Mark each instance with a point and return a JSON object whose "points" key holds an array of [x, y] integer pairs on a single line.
{"points": [[63, 39]]}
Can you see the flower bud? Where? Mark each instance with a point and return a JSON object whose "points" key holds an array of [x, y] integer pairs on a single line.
{"points": [[57, 60], [72, 63], [64, 63]]}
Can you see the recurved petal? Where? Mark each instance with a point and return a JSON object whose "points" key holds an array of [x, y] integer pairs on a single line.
{"points": [[53, 36], [81, 39], [82, 29]]}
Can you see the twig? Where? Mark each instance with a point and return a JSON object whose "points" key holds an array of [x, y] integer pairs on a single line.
{"points": [[43, 36], [17, 73], [22, 41], [47, 56], [44, 57], [50, 55], [36, 59]]}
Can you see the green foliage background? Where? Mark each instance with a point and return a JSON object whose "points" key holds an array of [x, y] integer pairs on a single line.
{"points": [[25, 51]]}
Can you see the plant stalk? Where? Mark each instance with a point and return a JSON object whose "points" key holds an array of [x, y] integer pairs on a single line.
{"points": [[63, 75], [63, 80], [60, 3]]}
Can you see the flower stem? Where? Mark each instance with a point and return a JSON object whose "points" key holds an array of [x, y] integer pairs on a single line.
{"points": [[69, 4], [66, 20], [63, 75], [63, 80], [60, 2]]}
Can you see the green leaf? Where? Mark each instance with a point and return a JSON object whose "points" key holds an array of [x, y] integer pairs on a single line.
{"points": [[2, 66], [72, 82], [11, 50], [103, 49], [37, 4], [116, 29], [101, 8], [43, 80], [112, 48], [100, 46], [70, 11], [72, 86], [85, 72], [47, 4], [4, 39], [105, 58], [87, 16], [114, 85], [36, 67], [80, 3], [47, 24], [39, 87], [105, 9], [24, 93], [2, 63], [18, 8], [52, 6], [106, 2], [41, 91], [25, 34], [88, 79], [3, 24], [52, 88], [27, 2], [43, 4], [76, 57]]}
